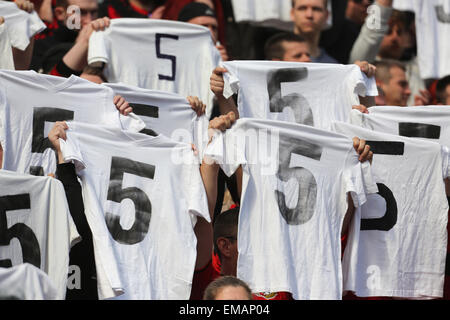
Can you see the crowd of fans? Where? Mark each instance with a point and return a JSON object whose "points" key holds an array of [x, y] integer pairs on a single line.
{"points": [[388, 53]]}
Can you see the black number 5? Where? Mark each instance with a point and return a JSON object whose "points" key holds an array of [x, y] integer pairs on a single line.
{"points": [[160, 55], [30, 246], [142, 204], [298, 103], [389, 220], [39, 143], [307, 193]]}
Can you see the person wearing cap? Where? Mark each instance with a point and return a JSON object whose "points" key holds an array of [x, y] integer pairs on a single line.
{"points": [[202, 14]]}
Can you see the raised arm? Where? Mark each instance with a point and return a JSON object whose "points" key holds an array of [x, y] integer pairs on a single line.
{"points": [[209, 171]]}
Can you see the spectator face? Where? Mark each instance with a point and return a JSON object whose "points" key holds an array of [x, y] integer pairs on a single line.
{"points": [[210, 23], [88, 11], [309, 16], [357, 10], [393, 44], [447, 94], [396, 91], [296, 52], [232, 293]]}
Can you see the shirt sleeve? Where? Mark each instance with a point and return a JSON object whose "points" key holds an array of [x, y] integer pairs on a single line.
{"points": [[226, 149], [231, 81], [359, 180], [196, 194], [71, 150], [98, 51], [22, 26], [446, 162], [363, 85]]}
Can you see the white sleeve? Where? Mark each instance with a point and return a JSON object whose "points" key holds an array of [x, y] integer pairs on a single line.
{"points": [[403, 5], [196, 194], [22, 26], [71, 150], [228, 150], [359, 181], [446, 162], [132, 122], [357, 118], [6, 58], [98, 49], [363, 85], [231, 81]]}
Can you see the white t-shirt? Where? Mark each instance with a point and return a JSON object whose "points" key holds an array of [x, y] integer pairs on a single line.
{"points": [[313, 94], [427, 122], [165, 113], [6, 57], [172, 56], [403, 229], [39, 228], [141, 195], [293, 203], [29, 105], [20, 25], [433, 28], [26, 282]]}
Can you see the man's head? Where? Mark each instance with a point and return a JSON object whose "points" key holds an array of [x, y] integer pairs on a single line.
{"points": [[396, 41], [391, 79], [287, 47], [356, 10], [309, 16], [227, 288], [201, 14], [88, 10], [225, 238], [443, 91]]}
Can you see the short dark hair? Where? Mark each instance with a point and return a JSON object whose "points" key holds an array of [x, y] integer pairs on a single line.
{"points": [[273, 49], [441, 89], [214, 287], [383, 72], [225, 225], [325, 3]]}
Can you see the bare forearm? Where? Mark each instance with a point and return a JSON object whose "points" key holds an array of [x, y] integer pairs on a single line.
{"points": [[22, 58], [227, 105], [76, 57], [209, 173]]}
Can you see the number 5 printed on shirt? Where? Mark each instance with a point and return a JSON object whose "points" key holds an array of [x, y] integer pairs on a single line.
{"points": [[142, 204], [389, 219], [298, 103], [159, 55], [307, 185], [28, 242], [39, 143]]}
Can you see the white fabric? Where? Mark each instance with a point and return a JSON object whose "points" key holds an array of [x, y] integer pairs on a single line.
{"points": [[20, 25], [424, 122], [295, 184], [187, 56], [307, 93], [6, 57], [146, 250], [403, 239], [165, 113], [23, 97], [40, 229], [432, 28], [26, 282]]}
